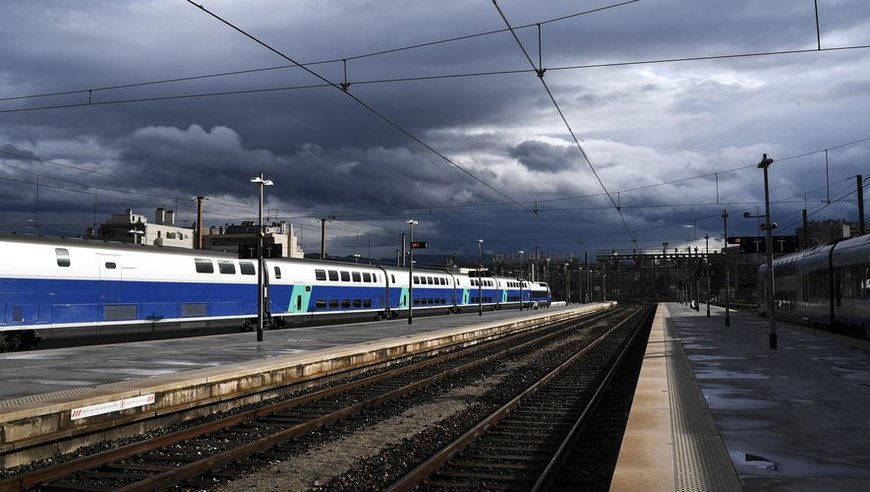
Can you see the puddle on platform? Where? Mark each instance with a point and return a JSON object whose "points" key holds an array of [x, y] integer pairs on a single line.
{"points": [[729, 398], [757, 461], [701, 373]]}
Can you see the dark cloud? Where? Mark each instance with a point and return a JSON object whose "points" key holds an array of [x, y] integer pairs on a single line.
{"points": [[545, 158], [641, 125]]}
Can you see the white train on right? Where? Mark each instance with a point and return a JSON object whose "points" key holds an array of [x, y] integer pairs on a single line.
{"points": [[826, 287]]}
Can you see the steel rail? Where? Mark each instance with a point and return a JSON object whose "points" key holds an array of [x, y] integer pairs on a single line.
{"points": [[548, 475], [62, 470], [439, 459]]}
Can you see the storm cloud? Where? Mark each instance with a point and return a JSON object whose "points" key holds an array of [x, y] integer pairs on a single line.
{"points": [[108, 105]]}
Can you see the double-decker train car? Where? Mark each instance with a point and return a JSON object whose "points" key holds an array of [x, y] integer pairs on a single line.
{"points": [[55, 288], [825, 287]]}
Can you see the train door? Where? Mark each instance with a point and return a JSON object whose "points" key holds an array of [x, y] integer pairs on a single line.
{"points": [[110, 278], [112, 310]]}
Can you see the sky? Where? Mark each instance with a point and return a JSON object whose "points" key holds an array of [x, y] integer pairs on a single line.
{"points": [[646, 123]]}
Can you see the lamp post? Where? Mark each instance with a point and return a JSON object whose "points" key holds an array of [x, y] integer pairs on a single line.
{"points": [[665, 269], [567, 287], [260, 182], [727, 273], [520, 278], [479, 281], [768, 227], [411, 223], [356, 257], [707, 270]]}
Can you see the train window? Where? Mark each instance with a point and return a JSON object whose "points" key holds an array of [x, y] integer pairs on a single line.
{"points": [[367, 277], [392, 278], [203, 265], [110, 265], [320, 303], [367, 303], [191, 309], [374, 277], [320, 274], [345, 276], [333, 303], [226, 267], [356, 276], [299, 303], [431, 282], [277, 271], [357, 303], [333, 275], [345, 303], [416, 280], [62, 255], [119, 313], [247, 268]]}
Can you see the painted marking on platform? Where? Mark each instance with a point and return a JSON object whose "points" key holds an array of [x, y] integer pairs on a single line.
{"points": [[111, 406]]}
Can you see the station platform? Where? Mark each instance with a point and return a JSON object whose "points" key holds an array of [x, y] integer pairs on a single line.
{"points": [[92, 390], [716, 409]]}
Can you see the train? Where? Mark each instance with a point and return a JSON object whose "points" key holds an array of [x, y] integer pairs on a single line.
{"points": [[61, 288], [826, 287]]}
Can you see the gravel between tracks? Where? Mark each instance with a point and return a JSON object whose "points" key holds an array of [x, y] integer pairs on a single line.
{"points": [[323, 463], [337, 457]]}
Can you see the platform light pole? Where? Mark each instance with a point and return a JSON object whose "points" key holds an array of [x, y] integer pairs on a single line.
{"points": [[707, 270], [520, 278], [260, 182], [768, 228], [479, 281], [567, 287], [727, 272], [411, 223]]}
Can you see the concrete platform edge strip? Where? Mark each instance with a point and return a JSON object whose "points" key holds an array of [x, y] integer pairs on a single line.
{"points": [[701, 460]]}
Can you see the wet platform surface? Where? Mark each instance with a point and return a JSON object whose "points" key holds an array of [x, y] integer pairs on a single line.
{"points": [[793, 418]]}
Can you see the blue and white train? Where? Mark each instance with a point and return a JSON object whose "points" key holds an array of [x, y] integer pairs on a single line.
{"points": [[825, 287], [54, 288]]}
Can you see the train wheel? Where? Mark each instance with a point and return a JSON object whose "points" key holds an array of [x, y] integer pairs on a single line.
{"points": [[10, 342]]}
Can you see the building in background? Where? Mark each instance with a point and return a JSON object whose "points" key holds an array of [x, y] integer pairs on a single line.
{"points": [[231, 238], [129, 227], [827, 231]]}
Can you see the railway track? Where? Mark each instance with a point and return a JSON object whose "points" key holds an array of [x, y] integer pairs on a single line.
{"points": [[189, 453], [526, 443]]}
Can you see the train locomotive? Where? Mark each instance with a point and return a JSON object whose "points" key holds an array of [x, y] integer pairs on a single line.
{"points": [[56, 288], [826, 287]]}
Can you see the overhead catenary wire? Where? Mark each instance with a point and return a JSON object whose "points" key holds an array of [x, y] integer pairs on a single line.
{"points": [[344, 59], [652, 185], [540, 74], [371, 109]]}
